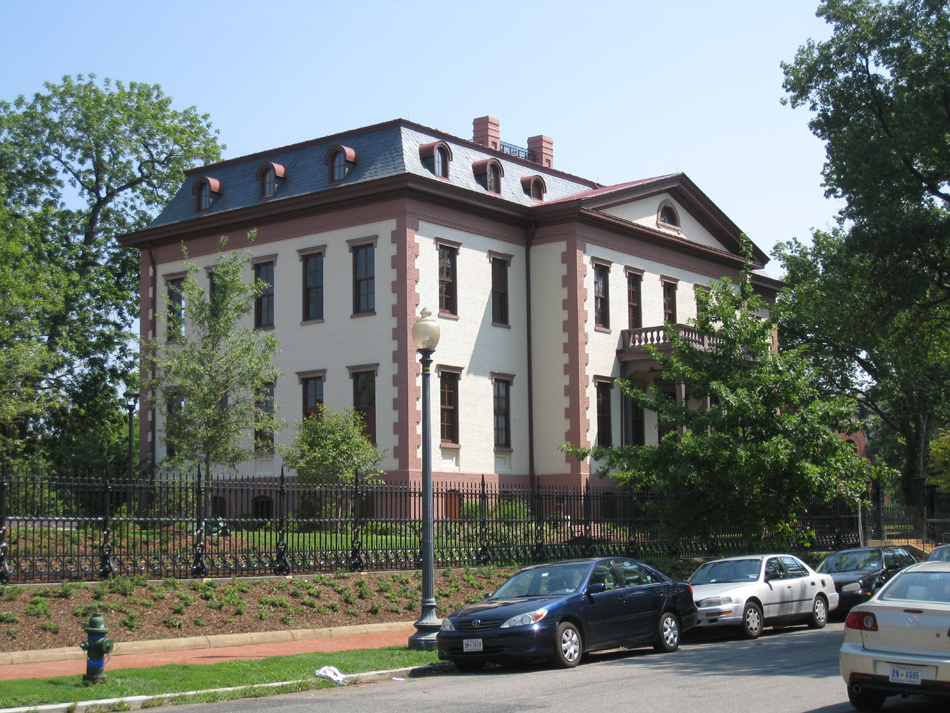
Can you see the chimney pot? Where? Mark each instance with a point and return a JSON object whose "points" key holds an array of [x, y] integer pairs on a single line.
{"points": [[543, 149]]}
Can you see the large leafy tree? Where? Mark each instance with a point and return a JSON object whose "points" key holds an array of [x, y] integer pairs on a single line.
{"points": [[872, 297], [81, 163], [211, 379], [755, 443]]}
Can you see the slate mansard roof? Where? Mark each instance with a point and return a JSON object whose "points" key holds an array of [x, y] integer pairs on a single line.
{"points": [[383, 150]]}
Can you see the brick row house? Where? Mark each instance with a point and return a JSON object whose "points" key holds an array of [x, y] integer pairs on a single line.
{"points": [[546, 287]]}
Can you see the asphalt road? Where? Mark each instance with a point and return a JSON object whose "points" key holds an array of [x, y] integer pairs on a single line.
{"points": [[794, 670]]}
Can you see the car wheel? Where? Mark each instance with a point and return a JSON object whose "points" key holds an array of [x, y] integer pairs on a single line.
{"points": [[567, 645], [468, 666], [865, 700], [751, 621], [668, 634], [819, 613]]}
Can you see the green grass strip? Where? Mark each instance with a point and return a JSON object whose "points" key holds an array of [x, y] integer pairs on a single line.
{"points": [[180, 678]]}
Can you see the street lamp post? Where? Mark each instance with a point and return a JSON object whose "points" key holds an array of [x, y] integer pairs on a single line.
{"points": [[425, 335], [131, 399]]}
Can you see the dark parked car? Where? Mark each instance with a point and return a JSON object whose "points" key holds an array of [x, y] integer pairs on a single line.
{"points": [[860, 572], [562, 610], [940, 554]]}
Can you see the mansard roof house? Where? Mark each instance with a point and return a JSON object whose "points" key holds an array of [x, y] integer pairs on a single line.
{"points": [[546, 287]]}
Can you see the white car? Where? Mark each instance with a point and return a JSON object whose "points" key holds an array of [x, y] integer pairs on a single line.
{"points": [[899, 641], [754, 591]]}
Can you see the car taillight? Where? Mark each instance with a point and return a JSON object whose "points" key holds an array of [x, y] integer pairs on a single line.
{"points": [[862, 621]]}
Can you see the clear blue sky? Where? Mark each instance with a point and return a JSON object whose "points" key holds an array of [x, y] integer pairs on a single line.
{"points": [[627, 90]]}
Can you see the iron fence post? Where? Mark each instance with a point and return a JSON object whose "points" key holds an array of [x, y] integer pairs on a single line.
{"points": [[281, 563], [4, 565], [588, 536], [199, 567], [484, 549], [632, 549], [106, 566], [539, 553], [356, 561]]}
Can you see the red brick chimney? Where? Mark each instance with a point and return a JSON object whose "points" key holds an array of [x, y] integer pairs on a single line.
{"points": [[543, 149], [487, 132]]}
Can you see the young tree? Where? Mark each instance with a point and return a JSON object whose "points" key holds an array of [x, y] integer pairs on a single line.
{"points": [[331, 447], [756, 442], [211, 381], [81, 163]]}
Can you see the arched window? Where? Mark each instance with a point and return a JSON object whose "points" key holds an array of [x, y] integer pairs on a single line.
{"points": [[494, 179], [204, 196], [268, 183], [441, 162], [338, 167], [667, 215]]}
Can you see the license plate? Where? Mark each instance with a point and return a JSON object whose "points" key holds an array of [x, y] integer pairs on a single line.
{"points": [[905, 674], [471, 645]]}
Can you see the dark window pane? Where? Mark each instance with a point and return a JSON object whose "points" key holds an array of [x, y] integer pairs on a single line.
{"points": [[449, 384], [601, 303], [447, 283], [634, 318], [499, 291], [364, 279], [264, 305], [604, 426], [312, 395], [364, 401], [502, 408], [176, 309], [313, 287]]}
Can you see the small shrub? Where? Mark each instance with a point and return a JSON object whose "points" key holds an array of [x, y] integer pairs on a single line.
{"points": [[262, 613], [395, 609], [187, 599], [275, 602], [8, 617], [50, 627], [375, 608], [333, 606], [179, 609], [348, 598], [13, 592], [130, 621], [384, 585], [215, 605], [12, 633], [286, 620], [340, 574], [171, 583], [199, 622], [353, 611], [38, 607], [172, 623]]}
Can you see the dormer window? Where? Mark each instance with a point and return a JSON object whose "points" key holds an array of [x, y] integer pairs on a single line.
{"points": [[267, 175], [339, 161], [667, 216], [202, 191], [489, 174], [436, 157], [534, 187]]}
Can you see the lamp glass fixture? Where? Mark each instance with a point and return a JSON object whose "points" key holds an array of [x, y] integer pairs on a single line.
{"points": [[426, 331]]}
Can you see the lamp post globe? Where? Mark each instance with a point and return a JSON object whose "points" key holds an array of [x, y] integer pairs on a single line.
{"points": [[425, 336]]}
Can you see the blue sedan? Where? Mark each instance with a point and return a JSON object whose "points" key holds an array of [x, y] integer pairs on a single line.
{"points": [[563, 610]]}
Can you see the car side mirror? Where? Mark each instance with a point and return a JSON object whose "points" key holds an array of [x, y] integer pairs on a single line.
{"points": [[597, 588], [489, 595]]}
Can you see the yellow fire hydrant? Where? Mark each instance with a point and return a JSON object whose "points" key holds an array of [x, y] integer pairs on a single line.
{"points": [[97, 646]]}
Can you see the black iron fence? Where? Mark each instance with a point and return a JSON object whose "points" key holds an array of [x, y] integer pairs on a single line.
{"points": [[185, 525]]}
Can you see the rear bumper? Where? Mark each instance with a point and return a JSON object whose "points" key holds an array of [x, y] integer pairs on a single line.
{"points": [[868, 669]]}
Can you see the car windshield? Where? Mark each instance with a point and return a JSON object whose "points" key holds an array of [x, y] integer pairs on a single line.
{"points": [[939, 553], [544, 581], [727, 571], [857, 561], [919, 587]]}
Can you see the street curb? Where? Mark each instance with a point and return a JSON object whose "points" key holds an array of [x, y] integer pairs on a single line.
{"points": [[159, 646], [137, 702]]}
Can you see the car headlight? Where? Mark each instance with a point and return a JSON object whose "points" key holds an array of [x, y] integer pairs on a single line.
{"points": [[714, 602], [532, 617], [852, 587], [447, 625]]}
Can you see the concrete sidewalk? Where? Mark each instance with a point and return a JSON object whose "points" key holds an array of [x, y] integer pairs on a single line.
{"points": [[206, 649]]}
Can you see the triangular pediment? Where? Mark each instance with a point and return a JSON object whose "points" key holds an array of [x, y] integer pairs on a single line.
{"points": [[672, 205]]}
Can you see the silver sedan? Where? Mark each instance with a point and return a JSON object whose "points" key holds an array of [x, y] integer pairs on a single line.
{"points": [[754, 591], [899, 641]]}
